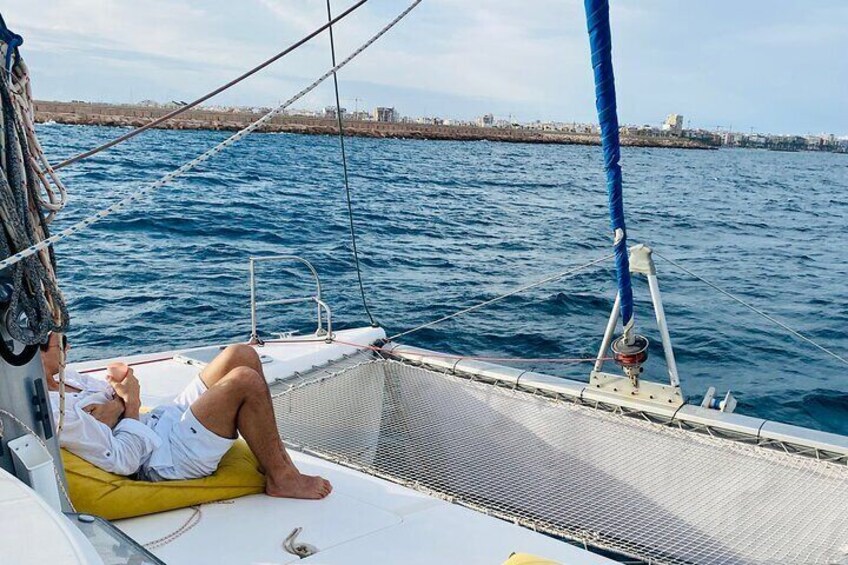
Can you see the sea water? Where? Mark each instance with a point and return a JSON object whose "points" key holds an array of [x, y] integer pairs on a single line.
{"points": [[444, 225]]}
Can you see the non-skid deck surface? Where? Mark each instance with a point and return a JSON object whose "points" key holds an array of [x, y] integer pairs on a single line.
{"points": [[648, 491]]}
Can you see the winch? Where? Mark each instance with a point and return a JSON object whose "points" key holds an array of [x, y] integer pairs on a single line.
{"points": [[630, 353]]}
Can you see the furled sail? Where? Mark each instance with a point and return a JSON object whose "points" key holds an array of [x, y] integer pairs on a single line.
{"points": [[600, 41]]}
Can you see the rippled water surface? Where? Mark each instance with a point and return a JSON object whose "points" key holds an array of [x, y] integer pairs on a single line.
{"points": [[443, 225]]}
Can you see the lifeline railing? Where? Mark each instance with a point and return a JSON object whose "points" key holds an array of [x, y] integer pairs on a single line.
{"points": [[316, 298]]}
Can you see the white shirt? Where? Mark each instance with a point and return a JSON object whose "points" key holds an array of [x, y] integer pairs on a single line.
{"points": [[121, 450]]}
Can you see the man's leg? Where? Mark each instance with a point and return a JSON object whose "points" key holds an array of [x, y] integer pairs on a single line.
{"points": [[233, 357], [241, 402]]}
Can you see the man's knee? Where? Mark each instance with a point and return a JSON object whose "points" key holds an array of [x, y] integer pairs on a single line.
{"points": [[245, 380], [243, 355]]}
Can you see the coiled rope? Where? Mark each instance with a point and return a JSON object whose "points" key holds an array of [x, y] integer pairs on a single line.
{"points": [[123, 203], [30, 195]]}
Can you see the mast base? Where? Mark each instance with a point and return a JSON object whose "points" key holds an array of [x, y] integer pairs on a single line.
{"points": [[644, 392]]}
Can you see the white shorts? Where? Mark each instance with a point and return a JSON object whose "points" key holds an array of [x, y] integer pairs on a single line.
{"points": [[188, 450]]}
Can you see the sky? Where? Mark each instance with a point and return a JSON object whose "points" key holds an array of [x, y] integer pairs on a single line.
{"points": [[772, 66]]}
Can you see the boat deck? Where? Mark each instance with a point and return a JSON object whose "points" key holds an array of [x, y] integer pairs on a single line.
{"points": [[365, 520], [451, 460]]}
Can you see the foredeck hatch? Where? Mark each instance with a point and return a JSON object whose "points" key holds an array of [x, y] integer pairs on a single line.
{"points": [[648, 491]]}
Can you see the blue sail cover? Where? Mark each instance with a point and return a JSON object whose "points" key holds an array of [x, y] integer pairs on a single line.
{"points": [[600, 42]]}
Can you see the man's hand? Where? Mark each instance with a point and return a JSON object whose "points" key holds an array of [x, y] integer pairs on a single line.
{"points": [[108, 413], [129, 391]]}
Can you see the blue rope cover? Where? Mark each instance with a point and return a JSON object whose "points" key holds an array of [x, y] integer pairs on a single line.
{"points": [[12, 40], [600, 42]]}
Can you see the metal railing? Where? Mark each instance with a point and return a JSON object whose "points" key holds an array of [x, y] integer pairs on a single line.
{"points": [[317, 298]]}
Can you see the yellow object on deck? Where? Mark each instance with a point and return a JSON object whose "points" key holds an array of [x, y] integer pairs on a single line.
{"points": [[94, 491], [527, 559]]}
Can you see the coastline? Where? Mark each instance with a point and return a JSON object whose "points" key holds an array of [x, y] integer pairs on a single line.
{"points": [[119, 115]]}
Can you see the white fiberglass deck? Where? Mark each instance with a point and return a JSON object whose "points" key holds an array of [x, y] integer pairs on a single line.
{"points": [[163, 375], [366, 520]]}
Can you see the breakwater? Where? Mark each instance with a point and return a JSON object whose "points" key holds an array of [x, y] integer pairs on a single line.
{"points": [[120, 115]]}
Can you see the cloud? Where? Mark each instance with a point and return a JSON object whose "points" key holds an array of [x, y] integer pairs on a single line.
{"points": [[301, 15], [448, 57]]}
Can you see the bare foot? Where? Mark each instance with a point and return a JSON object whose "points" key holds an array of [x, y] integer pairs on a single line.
{"points": [[298, 486]]}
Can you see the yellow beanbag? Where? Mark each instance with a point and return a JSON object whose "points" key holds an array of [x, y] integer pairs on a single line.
{"points": [[95, 491]]}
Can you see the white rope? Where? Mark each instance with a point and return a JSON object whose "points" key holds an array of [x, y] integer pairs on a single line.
{"points": [[52, 194], [192, 521], [200, 159], [548, 279], [754, 309], [59, 480]]}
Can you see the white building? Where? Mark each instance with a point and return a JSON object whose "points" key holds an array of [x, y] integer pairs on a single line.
{"points": [[361, 116], [673, 124], [383, 114], [486, 121], [330, 112]]}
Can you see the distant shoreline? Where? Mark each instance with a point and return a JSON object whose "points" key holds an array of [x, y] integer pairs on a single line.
{"points": [[83, 113]]}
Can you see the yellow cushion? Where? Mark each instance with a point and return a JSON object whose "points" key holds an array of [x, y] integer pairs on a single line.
{"points": [[94, 491]]}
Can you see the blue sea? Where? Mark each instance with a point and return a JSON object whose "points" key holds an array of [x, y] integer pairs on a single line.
{"points": [[443, 225]]}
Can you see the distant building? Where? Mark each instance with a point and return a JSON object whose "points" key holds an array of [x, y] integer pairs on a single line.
{"points": [[361, 116], [330, 112], [383, 114], [673, 124], [486, 121], [640, 131], [704, 136]]}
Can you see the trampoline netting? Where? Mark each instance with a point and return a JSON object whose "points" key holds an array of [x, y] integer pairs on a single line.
{"points": [[648, 491]]}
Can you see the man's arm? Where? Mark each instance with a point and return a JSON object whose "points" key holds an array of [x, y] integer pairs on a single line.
{"points": [[108, 413], [121, 450], [128, 389]]}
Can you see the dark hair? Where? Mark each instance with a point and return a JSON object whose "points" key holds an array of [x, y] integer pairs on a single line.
{"points": [[46, 345]]}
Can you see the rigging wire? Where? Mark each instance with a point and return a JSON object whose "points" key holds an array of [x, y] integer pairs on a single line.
{"points": [[378, 349], [540, 282], [205, 97], [754, 309], [344, 167], [123, 203]]}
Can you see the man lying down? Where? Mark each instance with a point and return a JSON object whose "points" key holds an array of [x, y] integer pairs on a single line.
{"points": [[184, 439]]}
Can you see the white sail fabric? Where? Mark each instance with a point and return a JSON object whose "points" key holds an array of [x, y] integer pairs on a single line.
{"points": [[615, 482]]}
